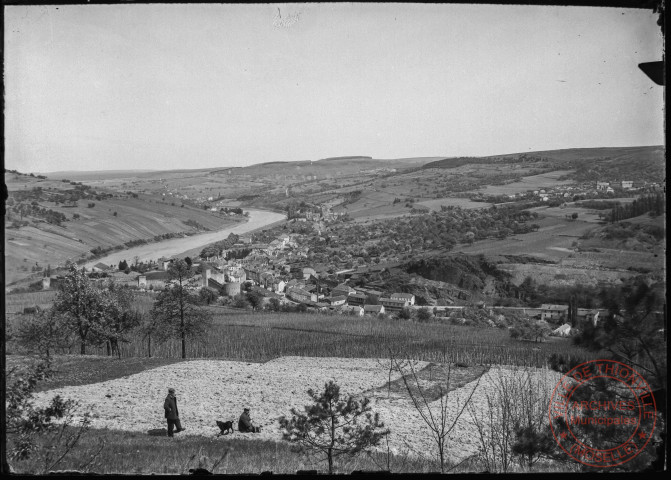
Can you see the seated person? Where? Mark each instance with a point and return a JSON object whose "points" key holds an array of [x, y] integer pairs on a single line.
{"points": [[245, 423]]}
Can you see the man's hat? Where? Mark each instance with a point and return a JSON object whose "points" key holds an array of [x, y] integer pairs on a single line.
{"points": [[246, 409], [171, 390]]}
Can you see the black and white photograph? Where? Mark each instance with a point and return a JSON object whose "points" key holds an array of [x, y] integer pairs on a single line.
{"points": [[334, 238]]}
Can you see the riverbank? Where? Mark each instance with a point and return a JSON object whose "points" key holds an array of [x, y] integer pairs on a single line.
{"points": [[179, 246]]}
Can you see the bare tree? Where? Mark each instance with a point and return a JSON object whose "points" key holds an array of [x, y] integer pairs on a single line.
{"points": [[513, 427], [437, 418]]}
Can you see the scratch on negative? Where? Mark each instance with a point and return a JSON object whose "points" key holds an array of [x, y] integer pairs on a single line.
{"points": [[287, 22]]}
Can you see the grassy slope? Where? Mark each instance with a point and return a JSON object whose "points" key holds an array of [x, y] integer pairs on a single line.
{"points": [[568, 154], [128, 453], [137, 218]]}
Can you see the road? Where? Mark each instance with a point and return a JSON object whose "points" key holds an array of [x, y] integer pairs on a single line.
{"points": [[175, 246]]}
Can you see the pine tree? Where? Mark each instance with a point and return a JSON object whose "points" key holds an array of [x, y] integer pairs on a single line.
{"points": [[332, 426]]}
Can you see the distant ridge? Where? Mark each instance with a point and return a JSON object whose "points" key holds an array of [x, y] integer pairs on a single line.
{"points": [[270, 163], [355, 157], [90, 172], [562, 156]]}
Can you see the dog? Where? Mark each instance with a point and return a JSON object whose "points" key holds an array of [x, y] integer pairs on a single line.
{"points": [[225, 427]]}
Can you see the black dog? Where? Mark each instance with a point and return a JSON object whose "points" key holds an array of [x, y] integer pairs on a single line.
{"points": [[225, 427]]}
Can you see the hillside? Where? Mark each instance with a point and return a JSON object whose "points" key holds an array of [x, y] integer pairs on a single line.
{"points": [[644, 163], [50, 221]]}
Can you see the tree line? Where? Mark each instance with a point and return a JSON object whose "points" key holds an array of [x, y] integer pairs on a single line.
{"points": [[217, 248], [655, 204], [103, 314]]}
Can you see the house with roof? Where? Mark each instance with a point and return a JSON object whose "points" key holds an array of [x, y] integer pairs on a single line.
{"points": [[342, 289], [373, 296], [155, 280], [408, 297], [52, 282], [553, 312], [235, 274], [101, 267], [253, 273], [393, 305], [302, 296], [373, 309], [295, 283], [212, 272], [356, 299], [337, 300], [278, 285], [563, 331], [307, 272]]}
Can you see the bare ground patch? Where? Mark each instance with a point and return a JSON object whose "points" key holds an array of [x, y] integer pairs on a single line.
{"points": [[432, 379]]}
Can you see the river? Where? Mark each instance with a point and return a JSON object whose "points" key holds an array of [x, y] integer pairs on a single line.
{"points": [[175, 246]]}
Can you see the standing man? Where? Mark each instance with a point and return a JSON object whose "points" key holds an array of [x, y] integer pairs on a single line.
{"points": [[171, 412]]}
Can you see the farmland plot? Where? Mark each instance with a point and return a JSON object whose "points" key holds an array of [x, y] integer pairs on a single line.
{"points": [[564, 275], [209, 390], [532, 182], [464, 203]]}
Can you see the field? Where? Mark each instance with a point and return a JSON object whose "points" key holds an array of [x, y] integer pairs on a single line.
{"points": [[577, 260], [584, 214], [215, 389], [464, 203], [16, 303], [532, 182], [553, 241], [260, 337], [565, 275]]}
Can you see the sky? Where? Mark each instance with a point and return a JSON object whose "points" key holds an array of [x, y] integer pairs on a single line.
{"points": [[155, 87]]}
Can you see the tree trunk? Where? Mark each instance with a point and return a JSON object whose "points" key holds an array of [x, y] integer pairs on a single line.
{"points": [[441, 449], [109, 348], [149, 344], [183, 345], [82, 349]]}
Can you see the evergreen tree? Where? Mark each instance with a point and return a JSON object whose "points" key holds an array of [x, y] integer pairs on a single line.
{"points": [[333, 426]]}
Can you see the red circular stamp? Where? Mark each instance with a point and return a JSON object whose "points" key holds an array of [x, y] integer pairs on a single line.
{"points": [[602, 413]]}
